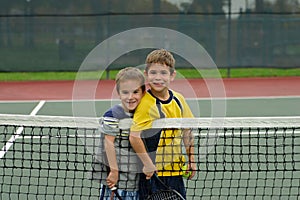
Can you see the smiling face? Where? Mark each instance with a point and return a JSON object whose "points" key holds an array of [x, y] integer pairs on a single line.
{"points": [[159, 77], [131, 93]]}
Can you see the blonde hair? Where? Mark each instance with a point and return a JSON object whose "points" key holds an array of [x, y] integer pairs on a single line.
{"points": [[161, 56], [130, 73]]}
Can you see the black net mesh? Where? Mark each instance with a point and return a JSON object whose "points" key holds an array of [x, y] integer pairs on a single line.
{"points": [[242, 158]]}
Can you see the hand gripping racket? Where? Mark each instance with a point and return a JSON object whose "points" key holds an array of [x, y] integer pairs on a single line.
{"points": [[166, 194], [114, 191]]}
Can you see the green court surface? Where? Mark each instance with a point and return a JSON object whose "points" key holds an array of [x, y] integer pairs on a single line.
{"points": [[37, 167], [230, 107]]}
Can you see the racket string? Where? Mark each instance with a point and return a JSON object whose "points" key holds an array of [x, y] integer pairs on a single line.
{"points": [[164, 195]]}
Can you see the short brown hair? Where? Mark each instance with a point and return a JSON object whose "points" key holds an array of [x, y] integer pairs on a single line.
{"points": [[130, 73], [161, 56]]}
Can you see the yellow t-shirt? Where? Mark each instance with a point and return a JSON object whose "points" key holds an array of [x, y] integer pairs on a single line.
{"points": [[168, 156]]}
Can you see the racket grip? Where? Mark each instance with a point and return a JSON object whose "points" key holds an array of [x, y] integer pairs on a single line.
{"points": [[113, 188], [115, 192]]}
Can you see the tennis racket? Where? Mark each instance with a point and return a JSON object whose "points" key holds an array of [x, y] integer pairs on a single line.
{"points": [[166, 194], [114, 191]]}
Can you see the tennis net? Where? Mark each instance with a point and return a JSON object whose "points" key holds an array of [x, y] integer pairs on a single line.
{"points": [[49, 157]]}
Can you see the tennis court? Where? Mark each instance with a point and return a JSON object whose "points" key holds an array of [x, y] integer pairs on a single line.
{"points": [[246, 131], [53, 163]]}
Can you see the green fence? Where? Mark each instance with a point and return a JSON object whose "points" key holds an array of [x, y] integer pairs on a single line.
{"points": [[36, 39]]}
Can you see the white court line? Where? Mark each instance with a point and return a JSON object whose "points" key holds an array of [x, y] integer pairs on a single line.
{"points": [[17, 134]]}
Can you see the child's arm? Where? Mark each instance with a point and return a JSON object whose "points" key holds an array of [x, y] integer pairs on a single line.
{"points": [[113, 175], [188, 140], [139, 147]]}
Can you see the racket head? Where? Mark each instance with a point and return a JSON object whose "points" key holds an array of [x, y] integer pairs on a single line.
{"points": [[165, 195]]}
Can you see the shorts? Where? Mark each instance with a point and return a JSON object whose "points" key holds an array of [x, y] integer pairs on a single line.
{"points": [[105, 194]]}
